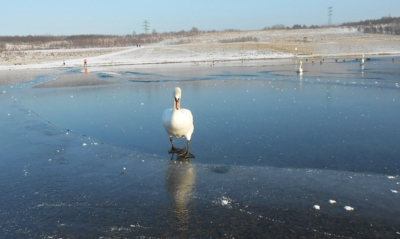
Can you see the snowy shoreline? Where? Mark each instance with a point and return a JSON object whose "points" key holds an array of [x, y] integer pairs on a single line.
{"points": [[207, 48]]}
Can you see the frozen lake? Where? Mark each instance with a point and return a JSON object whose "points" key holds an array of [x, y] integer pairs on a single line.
{"points": [[84, 154]]}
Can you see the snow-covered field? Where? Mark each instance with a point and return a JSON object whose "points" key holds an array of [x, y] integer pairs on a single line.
{"points": [[207, 47]]}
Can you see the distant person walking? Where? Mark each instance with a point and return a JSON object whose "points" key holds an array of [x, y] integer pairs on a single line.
{"points": [[85, 62]]}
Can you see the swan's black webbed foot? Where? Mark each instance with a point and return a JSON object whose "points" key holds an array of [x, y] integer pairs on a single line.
{"points": [[174, 150], [185, 154]]}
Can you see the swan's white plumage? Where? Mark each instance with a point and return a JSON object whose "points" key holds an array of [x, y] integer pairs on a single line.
{"points": [[178, 122], [362, 60], [300, 70]]}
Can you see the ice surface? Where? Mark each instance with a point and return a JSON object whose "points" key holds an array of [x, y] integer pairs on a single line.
{"points": [[263, 156]]}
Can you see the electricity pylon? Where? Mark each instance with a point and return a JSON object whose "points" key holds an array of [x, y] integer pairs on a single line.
{"points": [[330, 16], [146, 26]]}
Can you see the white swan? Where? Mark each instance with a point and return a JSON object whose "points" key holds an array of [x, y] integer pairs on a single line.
{"points": [[362, 60], [300, 70], [179, 124]]}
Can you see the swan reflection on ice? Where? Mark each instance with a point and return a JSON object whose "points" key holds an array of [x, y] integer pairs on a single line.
{"points": [[301, 79], [181, 179]]}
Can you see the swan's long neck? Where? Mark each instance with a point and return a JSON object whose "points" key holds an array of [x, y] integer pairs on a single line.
{"points": [[177, 98], [177, 103]]}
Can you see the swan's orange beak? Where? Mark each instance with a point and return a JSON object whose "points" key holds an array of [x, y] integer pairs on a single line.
{"points": [[177, 104]]}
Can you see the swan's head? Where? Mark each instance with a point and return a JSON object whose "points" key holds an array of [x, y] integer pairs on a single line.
{"points": [[177, 97]]}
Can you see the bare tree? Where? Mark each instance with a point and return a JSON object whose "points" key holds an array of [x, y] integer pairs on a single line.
{"points": [[380, 29], [396, 27], [388, 29], [194, 30], [278, 26]]}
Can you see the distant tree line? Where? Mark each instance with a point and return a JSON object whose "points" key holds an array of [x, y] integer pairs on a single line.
{"points": [[385, 25], [89, 41], [75, 41], [295, 26], [392, 29], [383, 20], [239, 39]]}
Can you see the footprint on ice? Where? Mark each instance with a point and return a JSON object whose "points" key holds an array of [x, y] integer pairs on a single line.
{"points": [[348, 208], [317, 207], [394, 191], [220, 169], [390, 177], [332, 201]]}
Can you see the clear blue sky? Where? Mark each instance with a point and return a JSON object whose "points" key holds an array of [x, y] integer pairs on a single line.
{"points": [[121, 17]]}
